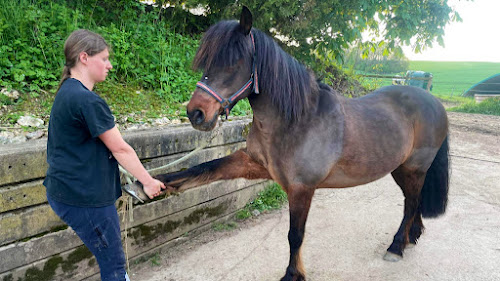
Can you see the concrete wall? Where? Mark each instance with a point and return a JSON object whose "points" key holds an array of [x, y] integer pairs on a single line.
{"points": [[36, 245]]}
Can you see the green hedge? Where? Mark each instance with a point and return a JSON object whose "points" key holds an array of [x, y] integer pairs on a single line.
{"points": [[146, 52]]}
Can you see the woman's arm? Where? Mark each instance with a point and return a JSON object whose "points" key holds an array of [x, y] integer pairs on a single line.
{"points": [[126, 156]]}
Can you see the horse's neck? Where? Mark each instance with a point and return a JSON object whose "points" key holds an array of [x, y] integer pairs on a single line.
{"points": [[324, 102], [276, 143], [262, 108]]}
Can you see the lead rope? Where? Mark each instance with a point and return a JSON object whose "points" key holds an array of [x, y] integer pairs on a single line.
{"points": [[126, 207], [129, 177]]}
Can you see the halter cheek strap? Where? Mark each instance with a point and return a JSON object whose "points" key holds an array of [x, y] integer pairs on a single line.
{"points": [[254, 67], [227, 104]]}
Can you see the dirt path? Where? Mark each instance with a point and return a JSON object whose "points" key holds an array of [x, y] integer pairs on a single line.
{"points": [[349, 230]]}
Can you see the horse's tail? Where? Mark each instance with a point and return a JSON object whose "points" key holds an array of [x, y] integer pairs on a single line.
{"points": [[434, 196]]}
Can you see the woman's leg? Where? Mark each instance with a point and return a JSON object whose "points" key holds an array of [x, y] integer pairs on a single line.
{"points": [[99, 229]]}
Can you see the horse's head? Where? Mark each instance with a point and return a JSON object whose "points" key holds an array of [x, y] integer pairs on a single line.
{"points": [[226, 55]]}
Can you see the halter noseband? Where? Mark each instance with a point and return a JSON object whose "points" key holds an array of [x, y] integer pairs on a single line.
{"points": [[227, 104]]}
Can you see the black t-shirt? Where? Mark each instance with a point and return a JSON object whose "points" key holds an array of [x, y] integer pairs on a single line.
{"points": [[82, 171]]}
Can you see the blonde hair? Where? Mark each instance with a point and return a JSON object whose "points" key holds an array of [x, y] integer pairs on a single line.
{"points": [[81, 40]]}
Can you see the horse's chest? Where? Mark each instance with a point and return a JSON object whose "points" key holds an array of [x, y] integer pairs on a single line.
{"points": [[290, 165], [261, 149], [298, 155], [258, 149]]}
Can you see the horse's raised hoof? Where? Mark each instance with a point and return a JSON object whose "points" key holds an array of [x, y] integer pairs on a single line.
{"points": [[136, 190], [392, 257]]}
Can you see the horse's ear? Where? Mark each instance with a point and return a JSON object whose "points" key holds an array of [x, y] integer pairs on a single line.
{"points": [[246, 20]]}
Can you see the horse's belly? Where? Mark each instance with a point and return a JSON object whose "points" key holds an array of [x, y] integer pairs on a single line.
{"points": [[338, 178]]}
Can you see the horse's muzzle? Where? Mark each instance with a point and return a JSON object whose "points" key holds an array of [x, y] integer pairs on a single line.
{"points": [[196, 117], [199, 122]]}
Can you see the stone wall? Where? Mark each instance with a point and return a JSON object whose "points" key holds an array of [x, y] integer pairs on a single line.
{"points": [[36, 245]]}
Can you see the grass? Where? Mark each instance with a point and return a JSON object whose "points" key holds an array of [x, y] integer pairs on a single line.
{"points": [[155, 260], [228, 226], [489, 106], [271, 198], [126, 100]]}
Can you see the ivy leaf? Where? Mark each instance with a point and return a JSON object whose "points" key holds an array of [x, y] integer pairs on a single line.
{"points": [[18, 77]]}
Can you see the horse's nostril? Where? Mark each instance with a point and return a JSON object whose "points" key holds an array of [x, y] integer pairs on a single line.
{"points": [[197, 117]]}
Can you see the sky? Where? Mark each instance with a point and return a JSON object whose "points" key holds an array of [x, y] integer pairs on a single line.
{"points": [[476, 38]]}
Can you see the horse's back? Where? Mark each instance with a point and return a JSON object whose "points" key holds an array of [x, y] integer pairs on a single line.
{"points": [[384, 129], [407, 103], [414, 102]]}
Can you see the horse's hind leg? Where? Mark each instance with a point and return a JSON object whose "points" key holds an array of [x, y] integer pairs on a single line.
{"points": [[299, 200], [417, 228], [411, 182]]}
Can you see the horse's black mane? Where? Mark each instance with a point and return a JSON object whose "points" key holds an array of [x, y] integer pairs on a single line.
{"points": [[281, 76]]}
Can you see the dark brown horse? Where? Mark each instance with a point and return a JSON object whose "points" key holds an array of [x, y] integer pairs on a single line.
{"points": [[305, 136]]}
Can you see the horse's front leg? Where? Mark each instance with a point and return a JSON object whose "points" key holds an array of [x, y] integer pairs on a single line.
{"points": [[299, 200], [236, 165]]}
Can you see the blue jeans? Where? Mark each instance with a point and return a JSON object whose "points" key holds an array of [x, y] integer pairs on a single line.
{"points": [[99, 229]]}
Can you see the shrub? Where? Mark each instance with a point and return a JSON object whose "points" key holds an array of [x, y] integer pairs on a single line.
{"points": [[146, 53]]}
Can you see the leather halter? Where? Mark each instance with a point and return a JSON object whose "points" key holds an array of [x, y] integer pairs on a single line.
{"points": [[228, 103]]}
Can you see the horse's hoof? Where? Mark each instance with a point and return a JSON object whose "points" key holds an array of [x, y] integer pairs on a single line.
{"points": [[290, 277], [295, 278], [392, 257], [136, 190]]}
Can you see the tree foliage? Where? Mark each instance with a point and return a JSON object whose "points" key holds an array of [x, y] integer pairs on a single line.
{"points": [[376, 61], [147, 44], [331, 26]]}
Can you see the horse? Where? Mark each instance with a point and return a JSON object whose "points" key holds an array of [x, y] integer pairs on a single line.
{"points": [[304, 135]]}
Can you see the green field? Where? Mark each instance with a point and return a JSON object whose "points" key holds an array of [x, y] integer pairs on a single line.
{"points": [[454, 78], [450, 79]]}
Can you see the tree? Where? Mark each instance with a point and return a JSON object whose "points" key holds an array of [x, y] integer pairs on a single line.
{"points": [[375, 62], [330, 26]]}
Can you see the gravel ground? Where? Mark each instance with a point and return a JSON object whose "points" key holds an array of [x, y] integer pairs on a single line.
{"points": [[488, 124]]}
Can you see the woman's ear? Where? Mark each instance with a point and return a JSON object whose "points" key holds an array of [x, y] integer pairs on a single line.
{"points": [[246, 20], [83, 57]]}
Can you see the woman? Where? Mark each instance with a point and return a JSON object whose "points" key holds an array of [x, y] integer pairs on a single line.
{"points": [[83, 149]]}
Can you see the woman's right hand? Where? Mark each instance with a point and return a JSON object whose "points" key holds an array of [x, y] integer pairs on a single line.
{"points": [[153, 188]]}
